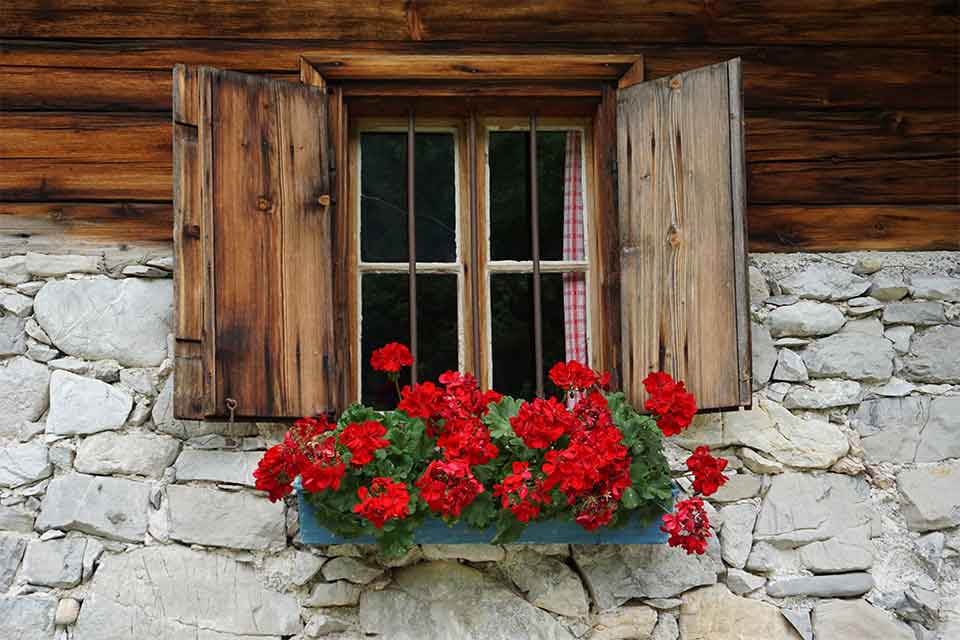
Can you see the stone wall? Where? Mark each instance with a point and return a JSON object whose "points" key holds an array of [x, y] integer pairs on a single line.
{"points": [[841, 521]]}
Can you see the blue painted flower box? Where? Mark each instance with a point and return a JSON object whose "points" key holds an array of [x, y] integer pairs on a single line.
{"points": [[435, 531]]}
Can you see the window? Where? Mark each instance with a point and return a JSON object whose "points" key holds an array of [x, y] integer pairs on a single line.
{"points": [[619, 241], [500, 314]]}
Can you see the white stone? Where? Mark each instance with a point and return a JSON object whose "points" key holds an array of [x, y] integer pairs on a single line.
{"points": [[791, 342], [790, 367], [454, 602], [742, 582], [825, 282], [104, 370], [900, 336], [30, 288], [15, 303], [888, 286], [805, 318], [799, 619], [848, 619], [351, 570], [850, 355], [894, 388], [12, 335], [135, 453], [849, 551], [11, 552], [935, 287], [40, 352], [46, 266], [27, 617], [868, 326], [916, 313], [333, 594], [145, 381], [81, 405], [736, 537], [764, 354], [22, 464], [110, 507], [144, 271], [759, 463], [617, 573], [217, 518], [25, 386], [161, 262], [625, 623], [909, 429], [233, 467], [68, 609], [471, 552], [168, 591], [823, 394], [55, 563], [13, 270], [739, 486], [843, 585], [713, 613], [290, 569], [16, 518], [667, 628], [929, 496], [547, 582], [934, 356], [127, 320], [759, 291]]}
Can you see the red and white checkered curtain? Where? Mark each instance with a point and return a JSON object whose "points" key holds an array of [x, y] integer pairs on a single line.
{"points": [[574, 248]]}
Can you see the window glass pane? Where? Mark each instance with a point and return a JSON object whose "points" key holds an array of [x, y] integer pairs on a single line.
{"points": [[386, 319], [383, 197], [511, 329], [559, 188]]}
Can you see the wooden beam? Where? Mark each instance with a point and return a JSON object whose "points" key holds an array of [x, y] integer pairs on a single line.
{"points": [[877, 22]]}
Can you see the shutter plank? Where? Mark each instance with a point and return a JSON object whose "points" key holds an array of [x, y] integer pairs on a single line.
{"points": [[269, 317], [681, 265]]}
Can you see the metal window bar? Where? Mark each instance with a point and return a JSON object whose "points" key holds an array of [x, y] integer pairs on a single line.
{"points": [[474, 240], [412, 241], [535, 250]]}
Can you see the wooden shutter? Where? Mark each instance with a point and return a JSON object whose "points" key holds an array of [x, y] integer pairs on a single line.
{"points": [[253, 247], [683, 272]]}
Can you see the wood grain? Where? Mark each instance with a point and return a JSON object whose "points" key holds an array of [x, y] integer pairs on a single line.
{"points": [[272, 340], [679, 261], [879, 22]]}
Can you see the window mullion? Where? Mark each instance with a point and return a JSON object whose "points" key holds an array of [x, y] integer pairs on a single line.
{"points": [[535, 250], [412, 241]]}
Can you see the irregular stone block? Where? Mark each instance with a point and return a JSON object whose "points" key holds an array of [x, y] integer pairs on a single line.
{"points": [[136, 453], [15, 303], [764, 354], [27, 617], [16, 518], [900, 336], [80, 405], [126, 320], [736, 536], [617, 573], [169, 591], [48, 266], [352, 570], [455, 602], [916, 313], [741, 582], [471, 552], [850, 355], [825, 282], [842, 619], [823, 394], [12, 336], [217, 518], [11, 552], [935, 287], [110, 507], [804, 319], [759, 291], [934, 356], [713, 613], [218, 466], [888, 286], [13, 270], [55, 563], [334, 594], [624, 623], [739, 486], [790, 367], [844, 585], [929, 496], [22, 464], [68, 609], [25, 385], [548, 583]]}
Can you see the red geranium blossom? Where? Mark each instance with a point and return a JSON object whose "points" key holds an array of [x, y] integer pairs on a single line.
{"points": [[275, 473], [596, 463], [448, 487], [540, 422], [421, 400], [520, 493], [384, 500], [362, 439], [572, 375], [688, 526], [595, 512], [391, 358], [326, 471], [707, 471], [468, 440], [671, 403], [281, 464]]}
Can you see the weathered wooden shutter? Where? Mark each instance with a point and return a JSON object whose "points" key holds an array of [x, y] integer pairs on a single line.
{"points": [[253, 246], [683, 271]]}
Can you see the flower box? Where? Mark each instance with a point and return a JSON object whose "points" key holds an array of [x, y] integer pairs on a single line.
{"points": [[435, 531]]}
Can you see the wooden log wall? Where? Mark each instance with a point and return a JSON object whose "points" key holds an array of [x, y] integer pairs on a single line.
{"points": [[853, 108]]}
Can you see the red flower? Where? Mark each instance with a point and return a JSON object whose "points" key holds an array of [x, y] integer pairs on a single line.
{"points": [[521, 494], [275, 473], [688, 526], [468, 440], [670, 402], [596, 463], [448, 487], [707, 471], [541, 422], [326, 471], [362, 439], [391, 358], [384, 500], [573, 375], [420, 401], [596, 512]]}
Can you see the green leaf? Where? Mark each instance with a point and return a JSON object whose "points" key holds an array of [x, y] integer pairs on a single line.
{"points": [[508, 528], [481, 512], [498, 417], [630, 498]]}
